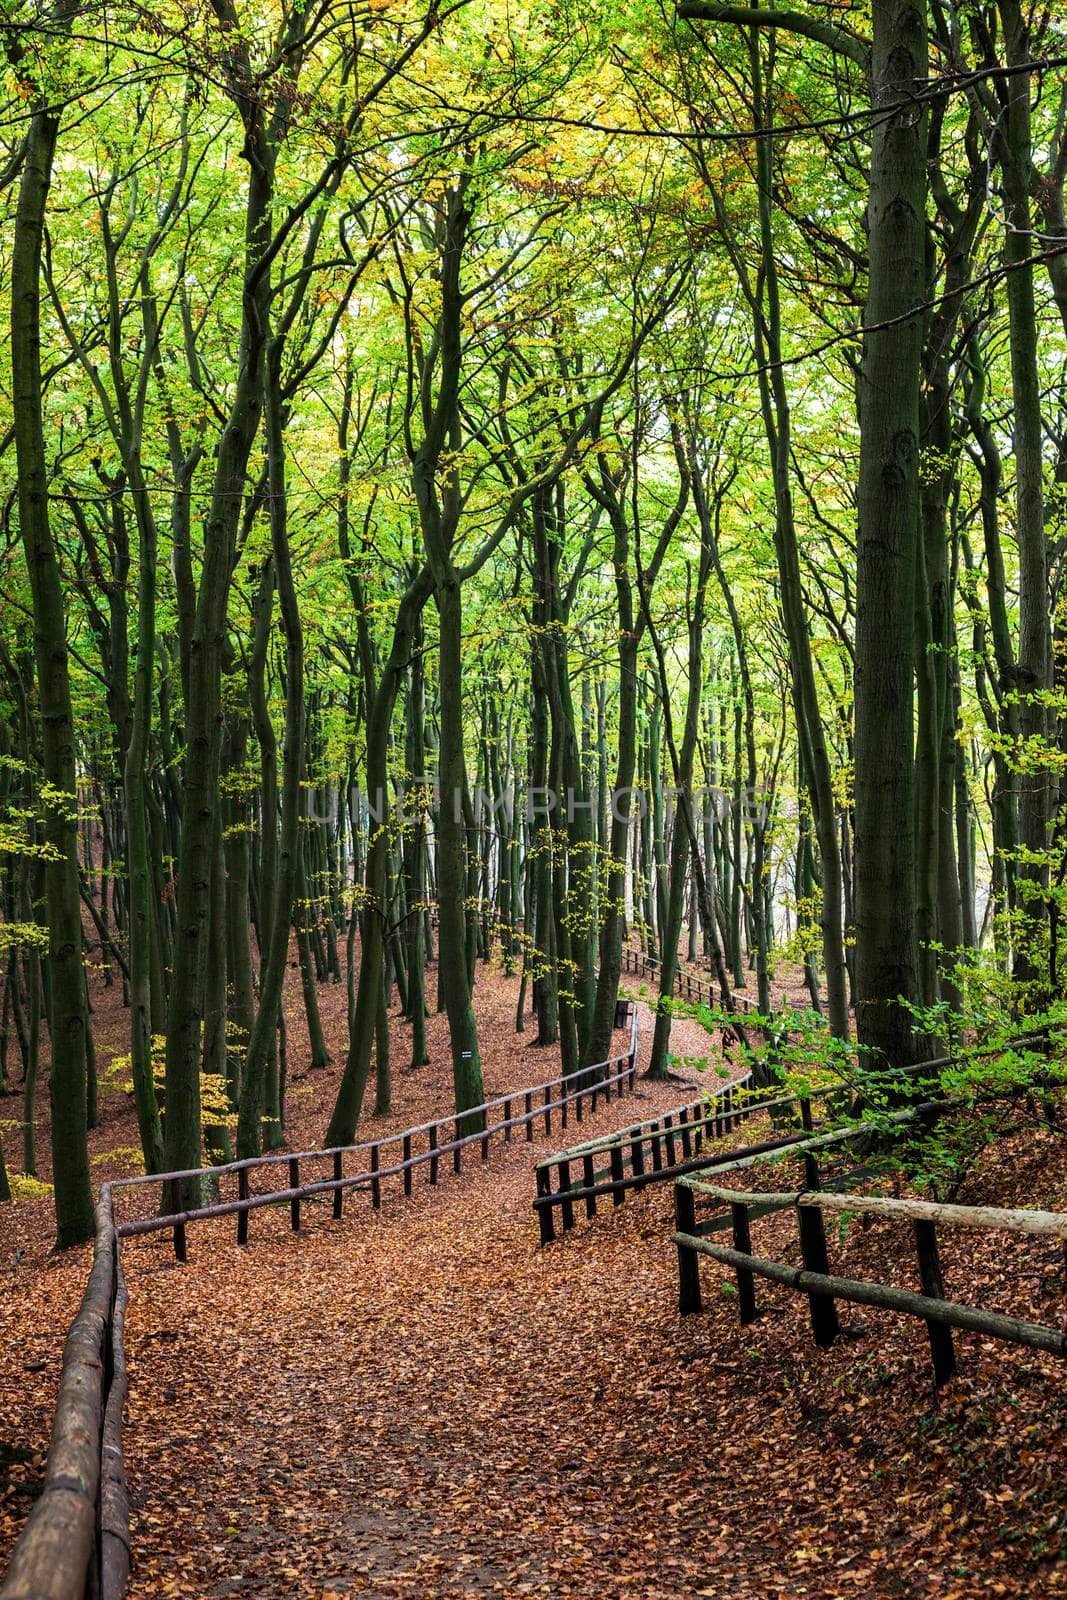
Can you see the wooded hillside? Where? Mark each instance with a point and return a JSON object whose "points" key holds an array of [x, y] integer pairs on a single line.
{"points": [[508, 508]]}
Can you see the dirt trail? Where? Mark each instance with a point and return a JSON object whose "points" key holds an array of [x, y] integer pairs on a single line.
{"points": [[421, 1402], [424, 1403]]}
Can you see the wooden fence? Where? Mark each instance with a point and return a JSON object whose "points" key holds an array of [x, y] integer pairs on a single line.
{"points": [[398, 1155], [648, 1152], [76, 1542], [664, 1148], [687, 985], [824, 1289]]}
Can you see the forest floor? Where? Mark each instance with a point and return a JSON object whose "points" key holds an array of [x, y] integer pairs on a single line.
{"points": [[421, 1401]]}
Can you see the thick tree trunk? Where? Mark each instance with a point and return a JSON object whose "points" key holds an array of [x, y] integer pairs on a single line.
{"points": [[1034, 677], [887, 540], [69, 1021]]}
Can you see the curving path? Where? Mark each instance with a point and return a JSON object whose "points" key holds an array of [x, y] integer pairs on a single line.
{"points": [[422, 1403]]}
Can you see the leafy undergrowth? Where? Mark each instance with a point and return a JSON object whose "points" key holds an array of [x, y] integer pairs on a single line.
{"points": [[422, 1402]]}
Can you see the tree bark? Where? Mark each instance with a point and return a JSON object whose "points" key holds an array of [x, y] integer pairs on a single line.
{"points": [[69, 1020], [887, 541]]}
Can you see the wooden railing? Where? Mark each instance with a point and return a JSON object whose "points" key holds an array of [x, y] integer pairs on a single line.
{"points": [[824, 1289], [426, 1145], [664, 1148], [76, 1542], [647, 1152], [687, 985], [826, 1155]]}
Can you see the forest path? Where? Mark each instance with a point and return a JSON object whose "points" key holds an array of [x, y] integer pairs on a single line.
{"points": [[421, 1402]]}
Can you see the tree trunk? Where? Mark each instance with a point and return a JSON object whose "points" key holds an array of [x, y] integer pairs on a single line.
{"points": [[69, 1021], [887, 540]]}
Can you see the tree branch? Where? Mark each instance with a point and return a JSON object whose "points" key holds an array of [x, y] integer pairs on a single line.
{"points": [[840, 40]]}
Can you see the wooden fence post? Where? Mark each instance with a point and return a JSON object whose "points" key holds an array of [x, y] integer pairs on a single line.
{"points": [[588, 1179], [527, 1111], [687, 1142], [406, 1157], [942, 1348], [668, 1129], [180, 1250], [548, 1111], [685, 1221], [294, 1183], [507, 1121], [746, 1283], [375, 1182], [637, 1157], [615, 1157], [545, 1220], [824, 1322], [338, 1194], [567, 1205], [457, 1153], [242, 1216], [434, 1158]]}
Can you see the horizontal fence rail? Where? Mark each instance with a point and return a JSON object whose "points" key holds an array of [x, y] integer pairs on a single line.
{"points": [[840, 1170], [824, 1289]]}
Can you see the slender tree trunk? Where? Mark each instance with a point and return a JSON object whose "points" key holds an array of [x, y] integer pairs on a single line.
{"points": [[683, 760], [452, 860], [203, 711], [415, 854], [381, 699], [290, 843], [320, 1056], [810, 727]]}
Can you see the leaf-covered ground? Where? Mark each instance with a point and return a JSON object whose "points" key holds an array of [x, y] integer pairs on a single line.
{"points": [[423, 1402]]}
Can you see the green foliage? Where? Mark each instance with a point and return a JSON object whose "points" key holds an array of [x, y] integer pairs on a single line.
{"points": [[216, 1109], [126, 1158], [26, 1188]]}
